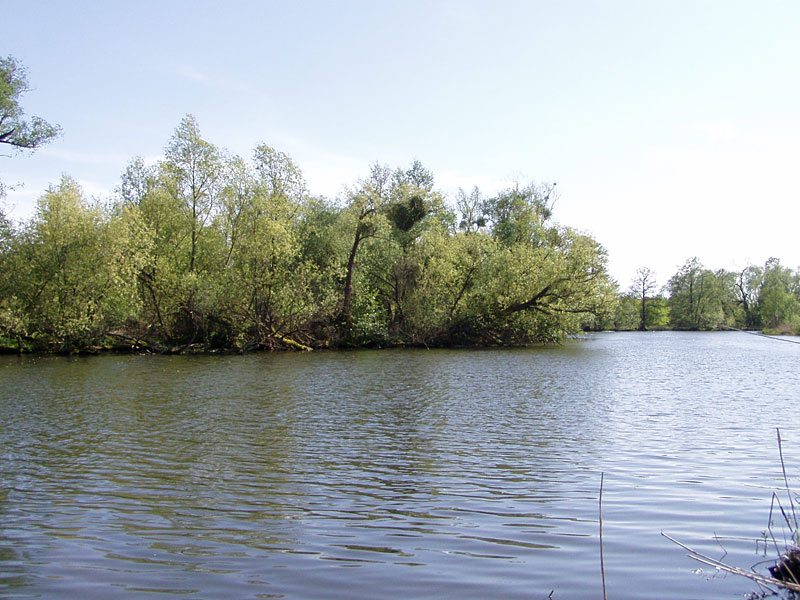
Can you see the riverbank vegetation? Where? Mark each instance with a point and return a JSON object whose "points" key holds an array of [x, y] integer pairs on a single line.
{"points": [[203, 250], [765, 298], [208, 251]]}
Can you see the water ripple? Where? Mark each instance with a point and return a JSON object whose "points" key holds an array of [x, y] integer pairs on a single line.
{"points": [[446, 474]]}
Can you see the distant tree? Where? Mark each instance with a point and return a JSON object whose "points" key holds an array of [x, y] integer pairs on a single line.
{"points": [[658, 313], [644, 284], [470, 209], [727, 297], [626, 315], [778, 304], [701, 298], [748, 287]]}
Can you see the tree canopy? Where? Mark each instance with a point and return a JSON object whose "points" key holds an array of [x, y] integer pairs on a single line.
{"points": [[698, 298], [204, 250]]}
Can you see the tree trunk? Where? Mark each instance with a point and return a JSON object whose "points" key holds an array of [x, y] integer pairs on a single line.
{"points": [[347, 303], [643, 322]]}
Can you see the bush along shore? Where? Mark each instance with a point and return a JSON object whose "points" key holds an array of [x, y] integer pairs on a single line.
{"points": [[208, 252], [204, 251]]}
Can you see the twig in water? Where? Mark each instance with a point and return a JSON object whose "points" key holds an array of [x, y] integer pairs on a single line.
{"points": [[758, 578]]}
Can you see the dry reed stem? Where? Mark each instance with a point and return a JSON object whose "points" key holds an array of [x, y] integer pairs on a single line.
{"points": [[602, 561], [785, 479], [757, 577]]}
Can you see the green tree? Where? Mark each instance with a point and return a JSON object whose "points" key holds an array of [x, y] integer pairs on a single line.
{"points": [[642, 287], [268, 280], [658, 313], [70, 269], [470, 210], [192, 176], [732, 311], [364, 212], [194, 167], [542, 291], [394, 263], [451, 293], [627, 313], [202, 250], [700, 298], [778, 304], [279, 176], [6, 235], [545, 280], [519, 214], [155, 217], [16, 130], [748, 288]]}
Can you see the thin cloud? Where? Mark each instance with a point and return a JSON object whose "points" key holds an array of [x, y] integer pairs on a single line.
{"points": [[84, 158], [205, 78], [191, 73]]}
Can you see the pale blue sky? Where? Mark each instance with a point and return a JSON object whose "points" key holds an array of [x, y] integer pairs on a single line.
{"points": [[672, 128]]}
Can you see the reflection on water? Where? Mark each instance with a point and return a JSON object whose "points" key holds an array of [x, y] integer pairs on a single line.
{"points": [[441, 474]]}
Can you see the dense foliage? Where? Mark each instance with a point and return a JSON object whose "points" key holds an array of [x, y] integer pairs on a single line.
{"points": [[697, 298], [205, 251], [209, 251]]}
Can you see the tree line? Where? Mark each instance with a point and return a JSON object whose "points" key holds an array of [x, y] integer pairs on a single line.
{"points": [[205, 250], [697, 298]]}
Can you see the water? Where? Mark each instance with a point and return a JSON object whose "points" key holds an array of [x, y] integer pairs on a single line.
{"points": [[396, 473]]}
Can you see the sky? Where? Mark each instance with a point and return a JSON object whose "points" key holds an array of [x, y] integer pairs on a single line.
{"points": [[672, 128]]}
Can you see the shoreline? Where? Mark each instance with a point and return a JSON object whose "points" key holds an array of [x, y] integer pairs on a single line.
{"points": [[288, 346]]}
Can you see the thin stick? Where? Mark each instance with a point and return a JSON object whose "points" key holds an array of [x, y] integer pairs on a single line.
{"points": [[786, 481], [705, 559], [602, 561], [772, 503], [759, 334], [786, 520]]}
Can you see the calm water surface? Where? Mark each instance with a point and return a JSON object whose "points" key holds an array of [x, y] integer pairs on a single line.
{"points": [[395, 474]]}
